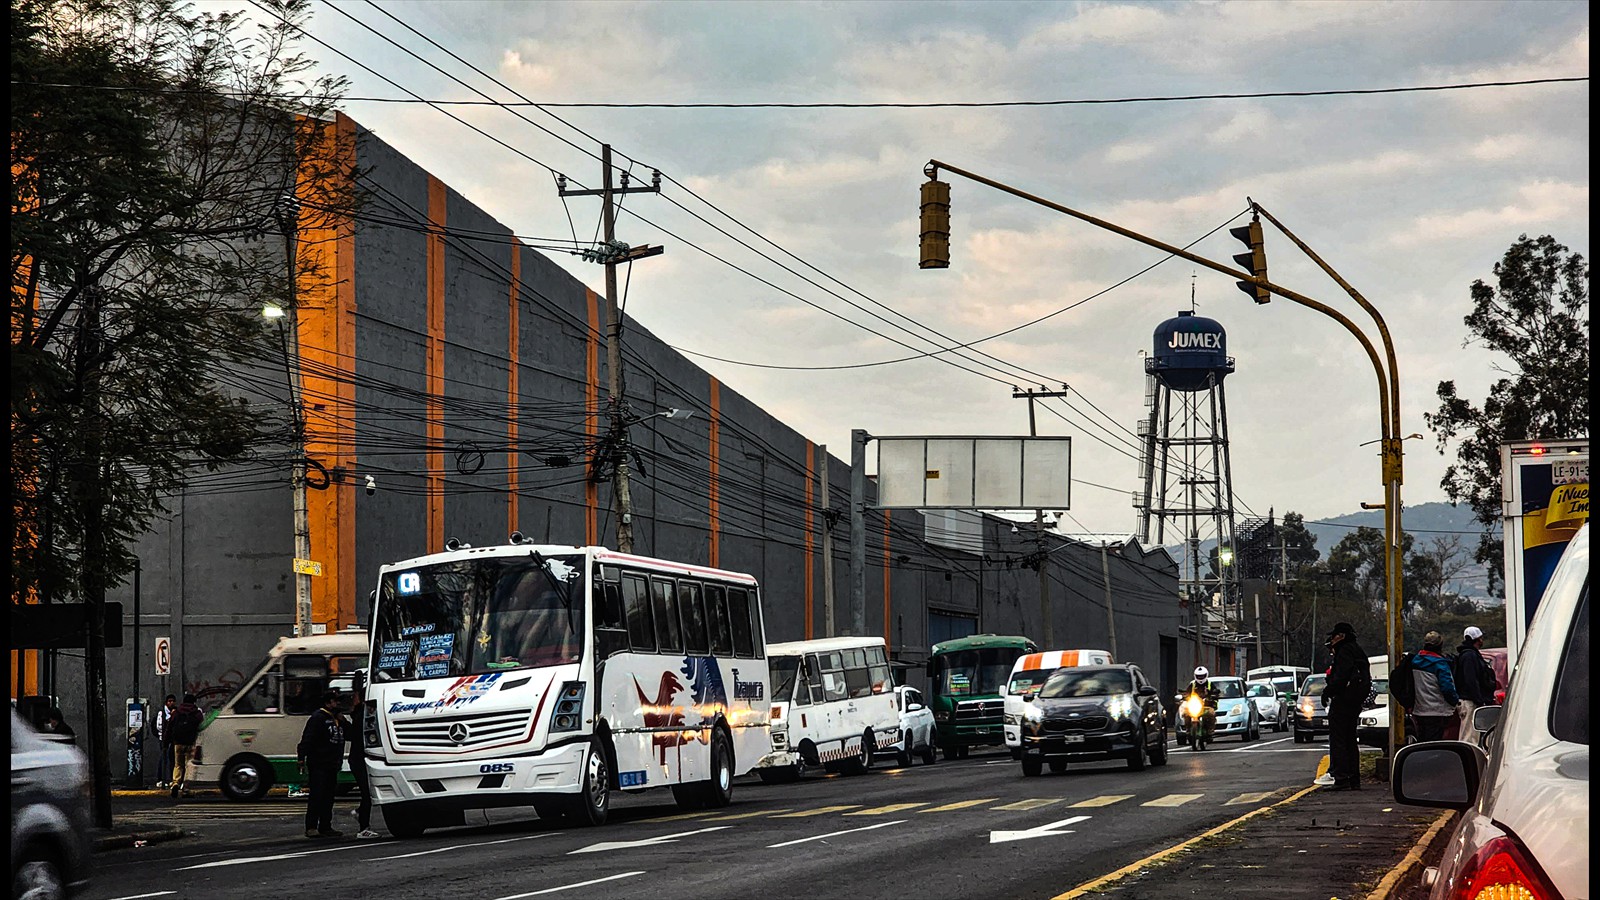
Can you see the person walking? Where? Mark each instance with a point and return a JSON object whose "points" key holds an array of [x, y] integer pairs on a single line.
{"points": [[358, 764], [1433, 688], [184, 727], [1349, 681], [1474, 679], [320, 751], [162, 726]]}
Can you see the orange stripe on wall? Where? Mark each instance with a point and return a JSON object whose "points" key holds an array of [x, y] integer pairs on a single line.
{"points": [[810, 540], [591, 421], [886, 573], [435, 361], [714, 492], [514, 343]]}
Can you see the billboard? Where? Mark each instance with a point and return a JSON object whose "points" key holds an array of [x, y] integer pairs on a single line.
{"points": [[977, 472]]}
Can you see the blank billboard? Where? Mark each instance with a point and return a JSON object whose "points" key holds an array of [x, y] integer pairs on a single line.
{"points": [[974, 472]]}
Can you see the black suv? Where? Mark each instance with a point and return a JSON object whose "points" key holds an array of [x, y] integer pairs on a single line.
{"points": [[1084, 713]]}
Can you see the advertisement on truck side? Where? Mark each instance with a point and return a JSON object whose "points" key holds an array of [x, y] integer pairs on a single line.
{"points": [[1544, 498]]}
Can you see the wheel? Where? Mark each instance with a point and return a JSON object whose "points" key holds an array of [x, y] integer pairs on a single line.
{"points": [[1252, 730], [930, 753], [717, 791], [1032, 766], [862, 761], [401, 823], [962, 751], [902, 755], [950, 753], [1299, 737], [780, 774], [245, 779], [1136, 760], [1183, 739], [592, 804], [1158, 754], [1058, 766], [37, 875]]}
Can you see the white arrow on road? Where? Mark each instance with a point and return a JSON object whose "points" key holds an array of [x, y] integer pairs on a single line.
{"points": [[647, 842], [1000, 837]]}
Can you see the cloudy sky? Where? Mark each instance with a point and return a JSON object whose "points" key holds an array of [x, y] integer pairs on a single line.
{"points": [[1410, 196]]}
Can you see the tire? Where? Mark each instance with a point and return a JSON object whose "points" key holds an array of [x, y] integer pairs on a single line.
{"points": [[717, 791], [1058, 766], [401, 823], [779, 774], [862, 761], [1183, 739], [38, 874], [1136, 760], [950, 753], [1252, 730], [902, 756], [1032, 766], [592, 804], [1158, 756], [1300, 738], [246, 779], [930, 753]]}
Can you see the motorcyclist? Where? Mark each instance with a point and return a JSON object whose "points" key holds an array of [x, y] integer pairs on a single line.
{"points": [[1207, 691]]}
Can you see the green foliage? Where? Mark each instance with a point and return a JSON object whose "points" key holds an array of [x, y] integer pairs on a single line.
{"points": [[1535, 316]]}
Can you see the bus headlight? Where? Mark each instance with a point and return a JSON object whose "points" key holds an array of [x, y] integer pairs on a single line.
{"points": [[568, 714]]}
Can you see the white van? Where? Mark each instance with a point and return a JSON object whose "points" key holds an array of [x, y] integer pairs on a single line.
{"points": [[1028, 673], [249, 744], [833, 705]]}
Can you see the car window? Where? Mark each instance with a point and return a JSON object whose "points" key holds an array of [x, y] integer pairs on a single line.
{"points": [[1079, 683], [1261, 690], [1314, 685], [1569, 707], [1229, 690], [1025, 681]]}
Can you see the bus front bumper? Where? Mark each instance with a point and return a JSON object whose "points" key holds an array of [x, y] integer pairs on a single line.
{"points": [[475, 782]]}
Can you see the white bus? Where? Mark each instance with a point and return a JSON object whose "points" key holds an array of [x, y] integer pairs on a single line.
{"points": [[549, 676], [833, 705], [250, 744]]}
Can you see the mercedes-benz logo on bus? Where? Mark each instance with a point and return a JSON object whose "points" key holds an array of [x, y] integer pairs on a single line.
{"points": [[458, 732]]}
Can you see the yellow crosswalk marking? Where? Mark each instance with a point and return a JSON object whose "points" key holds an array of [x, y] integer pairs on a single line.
{"points": [[960, 804], [1105, 800], [748, 815], [885, 810], [678, 818], [819, 811], [1256, 797], [1173, 800], [1031, 804]]}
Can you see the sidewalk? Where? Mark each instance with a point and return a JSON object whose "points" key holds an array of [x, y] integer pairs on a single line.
{"points": [[126, 831]]}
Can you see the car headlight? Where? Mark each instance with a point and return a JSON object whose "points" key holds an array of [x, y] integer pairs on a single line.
{"points": [[1120, 706], [1368, 721]]}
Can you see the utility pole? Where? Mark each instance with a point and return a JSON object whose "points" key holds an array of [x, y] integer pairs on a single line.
{"points": [[612, 253], [827, 549], [289, 221], [1111, 620], [1038, 519], [858, 530]]}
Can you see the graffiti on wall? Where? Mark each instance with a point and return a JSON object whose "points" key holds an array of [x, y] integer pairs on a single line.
{"points": [[214, 692]]}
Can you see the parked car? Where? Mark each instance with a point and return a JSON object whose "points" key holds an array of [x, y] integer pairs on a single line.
{"points": [[1523, 830], [1236, 713], [917, 734], [1087, 713], [1271, 710], [49, 814], [1310, 716]]}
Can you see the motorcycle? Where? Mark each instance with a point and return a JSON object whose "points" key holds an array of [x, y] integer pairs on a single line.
{"points": [[1200, 719]]}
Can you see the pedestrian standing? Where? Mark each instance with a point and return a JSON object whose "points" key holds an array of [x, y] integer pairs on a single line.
{"points": [[1475, 681], [1434, 688], [1349, 682], [56, 724], [184, 727], [358, 763], [163, 734], [320, 752]]}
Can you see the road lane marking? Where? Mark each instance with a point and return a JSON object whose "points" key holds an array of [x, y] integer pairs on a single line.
{"points": [[1000, 837], [274, 857], [142, 896], [748, 815], [678, 818], [1031, 804], [819, 811], [960, 804], [1256, 797], [1105, 800], [1173, 800], [568, 887], [834, 834], [528, 837], [643, 842], [885, 810]]}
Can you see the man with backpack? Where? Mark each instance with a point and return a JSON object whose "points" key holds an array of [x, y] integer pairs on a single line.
{"points": [[1474, 679], [1433, 700], [184, 727]]}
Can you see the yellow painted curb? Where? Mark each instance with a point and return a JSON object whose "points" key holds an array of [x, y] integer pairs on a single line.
{"points": [[1129, 869], [1322, 767], [1381, 892]]}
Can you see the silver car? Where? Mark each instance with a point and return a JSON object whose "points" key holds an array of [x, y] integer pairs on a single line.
{"points": [[49, 815], [1524, 825]]}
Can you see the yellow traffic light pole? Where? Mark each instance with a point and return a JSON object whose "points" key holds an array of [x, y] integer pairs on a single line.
{"points": [[935, 253]]}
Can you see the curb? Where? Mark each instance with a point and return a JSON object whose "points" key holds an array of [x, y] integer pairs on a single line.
{"points": [[1398, 873], [137, 839]]}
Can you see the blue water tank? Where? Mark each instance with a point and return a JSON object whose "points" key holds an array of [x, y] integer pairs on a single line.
{"points": [[1191, 353]]}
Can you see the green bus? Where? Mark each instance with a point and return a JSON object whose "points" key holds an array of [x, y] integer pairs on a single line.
{"points": [[964, 679]]}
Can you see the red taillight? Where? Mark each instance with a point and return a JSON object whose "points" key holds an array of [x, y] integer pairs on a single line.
{"points": [[1502, 870]]}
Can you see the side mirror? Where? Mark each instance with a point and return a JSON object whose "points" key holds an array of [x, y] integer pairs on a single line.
{"points": [[914, 707], [1147, 691], [1441, 774], [1486, 718]]}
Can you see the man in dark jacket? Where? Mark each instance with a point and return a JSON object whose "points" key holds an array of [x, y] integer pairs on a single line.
{"points": [[321, 751], [1349, 681], [184, 727], [1474, 679]]}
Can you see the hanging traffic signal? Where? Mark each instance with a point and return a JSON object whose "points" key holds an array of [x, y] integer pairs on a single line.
{"points": [[935, 225], [1255, 261]]}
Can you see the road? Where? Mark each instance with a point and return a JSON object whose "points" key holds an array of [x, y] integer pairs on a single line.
{"points": [[972, 828]]}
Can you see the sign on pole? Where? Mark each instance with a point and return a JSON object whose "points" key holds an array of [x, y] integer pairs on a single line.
{"points": [[163, 655], [307, 567]]}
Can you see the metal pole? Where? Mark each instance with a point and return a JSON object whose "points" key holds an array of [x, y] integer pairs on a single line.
{"points": [[288, 219], [136, 738], [828, 624], [858, 531], [1111, 620], [614, 365]]}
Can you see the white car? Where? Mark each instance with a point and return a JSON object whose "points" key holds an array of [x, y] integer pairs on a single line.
{"points": [[1271, 711], [917, 735], [1524, 825]]}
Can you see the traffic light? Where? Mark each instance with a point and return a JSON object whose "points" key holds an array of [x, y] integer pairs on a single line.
{"points": [[1255, 261], [935, 225]]}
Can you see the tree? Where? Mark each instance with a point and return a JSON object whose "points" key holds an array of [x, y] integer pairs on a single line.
{"points": [[1536, 316], [153, 152]]}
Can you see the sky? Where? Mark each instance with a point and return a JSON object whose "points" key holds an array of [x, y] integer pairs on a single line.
{"points": [[1410, 196]]}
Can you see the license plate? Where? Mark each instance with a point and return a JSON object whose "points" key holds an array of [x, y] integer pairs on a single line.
{"points": [[1074, 738]]}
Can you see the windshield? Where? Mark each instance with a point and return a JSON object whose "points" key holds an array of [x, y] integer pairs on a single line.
{"points": [[784, 671], [479, 615], [1261, 690], [1314, 686], [1086, 683], [1228, 689], [972, 673], [1023, 682]]}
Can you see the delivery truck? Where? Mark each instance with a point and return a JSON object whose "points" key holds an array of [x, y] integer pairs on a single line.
{"points": [[1544, 499]]}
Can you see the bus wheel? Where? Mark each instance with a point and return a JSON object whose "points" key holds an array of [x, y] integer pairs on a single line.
{"points": [[862, 761], [400, 823], [246, 779], [592, 804], [717, 791]]}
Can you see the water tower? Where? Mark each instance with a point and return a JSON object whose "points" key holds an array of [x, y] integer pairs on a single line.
{"points": [[1188, 479]]}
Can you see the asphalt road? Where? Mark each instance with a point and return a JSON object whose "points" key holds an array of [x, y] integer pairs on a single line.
{"points": [[972, 828]]}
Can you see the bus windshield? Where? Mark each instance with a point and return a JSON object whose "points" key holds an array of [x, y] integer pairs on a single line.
{"points": [[785, 669], [973, 673], [478, 615]]}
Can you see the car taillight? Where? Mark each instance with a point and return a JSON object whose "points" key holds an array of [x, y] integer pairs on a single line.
{"points": [[1502, 870]]}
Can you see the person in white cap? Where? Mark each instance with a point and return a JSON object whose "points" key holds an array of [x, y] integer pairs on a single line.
{"points": [[1474, 680]]}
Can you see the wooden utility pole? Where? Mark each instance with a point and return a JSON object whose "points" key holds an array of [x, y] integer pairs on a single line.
{"points": [[827, 549], [1111, 620], [612, 253], [1038, 519]]}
